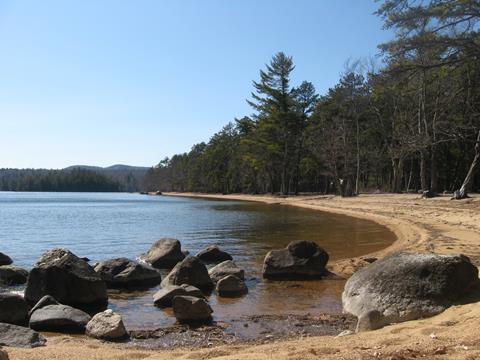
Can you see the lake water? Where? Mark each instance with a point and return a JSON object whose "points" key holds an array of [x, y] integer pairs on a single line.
{"points": [[106, 225]]}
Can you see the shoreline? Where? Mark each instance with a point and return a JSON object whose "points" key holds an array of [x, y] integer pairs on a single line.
{"points": [[437, 224]]}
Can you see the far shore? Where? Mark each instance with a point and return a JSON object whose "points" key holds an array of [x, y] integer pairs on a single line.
{"points": [[439, 225]]}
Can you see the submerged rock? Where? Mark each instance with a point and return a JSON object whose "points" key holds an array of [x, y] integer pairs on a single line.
{"points": [[300, 260], [107, 326], [59, 318], [19, 336], [226, 268], [13, 309], [231, 286], [164, 296], [164, 254], [213, 254], [126, 273], [189, 309], [189, 271], [67, 278], [5, 259], [407, 286], [12, 275]]}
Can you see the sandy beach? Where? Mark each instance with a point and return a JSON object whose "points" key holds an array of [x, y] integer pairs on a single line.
{"points": [[439, 225]]}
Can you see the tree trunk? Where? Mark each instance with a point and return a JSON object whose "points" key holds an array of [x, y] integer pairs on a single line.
{"points": [[462, 193], [423, 171]]}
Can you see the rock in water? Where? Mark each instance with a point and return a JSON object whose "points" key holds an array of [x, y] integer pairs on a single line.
{"points": [[67, 278], [59, 318], [13, 309], [164, 296], [164, 254], [407, 286], [189, 271], [226, 268], [300, 260], [125, 273], [5, 259], [212, 254], [231, 286], [189, 309], [19, 336], [107, 326], [12, 275]]}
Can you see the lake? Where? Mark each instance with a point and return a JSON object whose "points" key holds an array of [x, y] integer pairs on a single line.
{"points": [[106, 225]]}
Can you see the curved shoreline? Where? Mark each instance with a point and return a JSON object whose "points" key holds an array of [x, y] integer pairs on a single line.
{"points": [[437, 225]]}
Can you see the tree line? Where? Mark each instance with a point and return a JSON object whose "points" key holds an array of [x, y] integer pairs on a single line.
{"points": [[411, 125]]}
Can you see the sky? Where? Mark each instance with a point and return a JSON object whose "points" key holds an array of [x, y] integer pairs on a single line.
{"points": [[131, 82]]}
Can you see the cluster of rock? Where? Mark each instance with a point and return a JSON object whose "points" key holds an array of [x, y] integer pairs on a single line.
{"points": [[10, 274]]}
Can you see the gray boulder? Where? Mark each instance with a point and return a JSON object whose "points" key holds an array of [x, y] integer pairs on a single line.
{"points": [[189, 309], [164, 254], [189, 271], [106, 325], [12, 275], [226, 268], [213, 254], [300, 260], [125, 273], [59, 318], [19, 336], [231, 286], [5, 259], [67, 278], [164, 296], [13, 309], [407, 286], [44, 301]]}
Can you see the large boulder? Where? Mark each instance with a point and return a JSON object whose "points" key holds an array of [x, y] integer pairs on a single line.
{"points": [[107, 325], [189, 271], [226, 268], [213, 254], [407, 286], [299, 260], [189, 309], [164, 296], [5, 259], [19, 336], [164, 254], [13, 309], [12, 275], [231, 286], [126, 273], [67, 278], [59, 318]]}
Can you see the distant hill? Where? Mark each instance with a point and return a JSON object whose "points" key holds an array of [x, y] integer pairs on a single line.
{"points": [[116, 167]]}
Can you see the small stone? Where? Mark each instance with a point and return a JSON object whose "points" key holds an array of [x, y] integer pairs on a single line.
{"points": [[231, 286], [107, 326], [189, 309]]}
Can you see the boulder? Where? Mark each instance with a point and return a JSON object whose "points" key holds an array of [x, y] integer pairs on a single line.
{"points": [[407, 286], [226, 268], [19, 336], [164, 296], [231, 286], [67, 278], [107, 325], [13, 309], [44, 301], [12, 275], [300, 260], [59, 318], [212, 254], [190, 309], [5, 259], [125, 273], [189, 271], [164, 254]]}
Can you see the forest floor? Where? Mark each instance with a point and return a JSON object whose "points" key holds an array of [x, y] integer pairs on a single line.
{"points": [[437, 224]]}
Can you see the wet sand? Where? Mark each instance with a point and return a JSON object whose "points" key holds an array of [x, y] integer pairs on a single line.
{"points": [[437, 224]]}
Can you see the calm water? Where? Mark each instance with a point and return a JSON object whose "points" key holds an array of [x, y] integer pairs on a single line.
{"points": [[102, 225]]}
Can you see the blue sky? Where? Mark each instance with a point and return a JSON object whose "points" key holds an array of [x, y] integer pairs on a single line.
{"points": [[105, 82]]}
